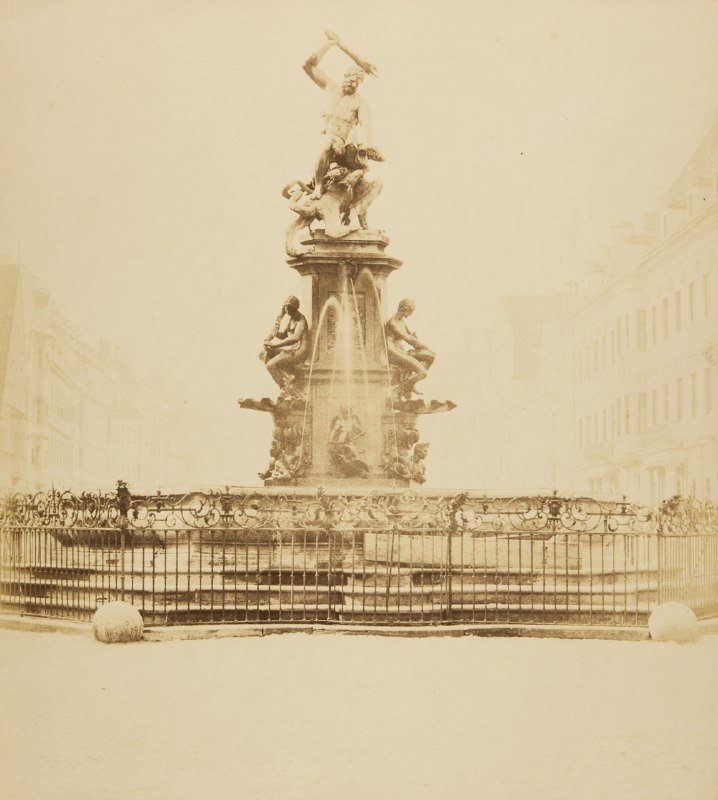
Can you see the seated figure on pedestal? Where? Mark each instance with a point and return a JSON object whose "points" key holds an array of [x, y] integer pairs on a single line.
{"points": [[412, 363], [286, 348]]}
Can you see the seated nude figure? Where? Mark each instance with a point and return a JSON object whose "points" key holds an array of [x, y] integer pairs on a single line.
{"points": [[287, 346], [413, 362]]}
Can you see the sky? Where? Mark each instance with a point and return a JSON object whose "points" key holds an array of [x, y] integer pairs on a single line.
{"points": [[144, 146]]}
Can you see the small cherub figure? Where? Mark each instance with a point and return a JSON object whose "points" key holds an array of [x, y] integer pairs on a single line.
{"points": [[346, 429]]}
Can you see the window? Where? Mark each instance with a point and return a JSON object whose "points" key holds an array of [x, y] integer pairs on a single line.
{"points": [[595, 356], [641, 329], [603, 352], [694, 393], [666, 402], [618, 337], [642, 412], [706, 293], [603, 425], [654, 324], [691, 302], [678, 302], [679, 399], [626, 415], [628, 338], [580, 434], [708, 376], [613, 347], [664, 314], [681, 479], [654, 407]]}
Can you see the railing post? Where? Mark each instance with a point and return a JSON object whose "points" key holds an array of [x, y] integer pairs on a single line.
{"points": [[328, 526], [123, 502], [330, 560], [456, 504]]}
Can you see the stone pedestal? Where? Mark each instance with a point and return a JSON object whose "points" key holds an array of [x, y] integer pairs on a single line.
{"points": [[340, 425], [347, 380]]}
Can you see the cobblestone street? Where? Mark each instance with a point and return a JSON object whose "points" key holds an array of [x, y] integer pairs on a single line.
{"points": [[313, 717]]}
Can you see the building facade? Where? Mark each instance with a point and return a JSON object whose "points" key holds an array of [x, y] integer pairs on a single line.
{"points": [[613, 392], [74, 415], [645, 349]]}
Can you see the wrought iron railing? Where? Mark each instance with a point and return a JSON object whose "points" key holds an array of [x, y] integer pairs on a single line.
{"points": [[381, 557]]}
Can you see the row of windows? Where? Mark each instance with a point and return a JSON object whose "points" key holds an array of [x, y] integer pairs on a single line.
{"points": [[658, 485], [683, 399], [62, 406], [61, 455], [671, 316], [61, 452]]}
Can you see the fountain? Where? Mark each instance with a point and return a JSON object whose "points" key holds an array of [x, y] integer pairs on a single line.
{"points": [[341, 531], [347, 410]]}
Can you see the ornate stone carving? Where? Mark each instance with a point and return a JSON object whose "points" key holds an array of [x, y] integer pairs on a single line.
{"points": [[287, 460], [344, 435], [404, 454], [340, 191], [410, 364], [417, 406], [348, 193], [346, 116], [361, 382]]}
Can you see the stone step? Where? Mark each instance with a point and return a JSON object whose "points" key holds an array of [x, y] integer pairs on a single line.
{"points": [[499, 615], [304, 574], [32, 605], [188, 586], [391, 611], [258, 548], [271, 599]]}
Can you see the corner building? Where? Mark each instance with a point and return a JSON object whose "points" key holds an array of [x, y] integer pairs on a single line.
{"points": [[646, 349]]}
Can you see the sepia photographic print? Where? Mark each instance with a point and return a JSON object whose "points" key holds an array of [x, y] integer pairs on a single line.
{"points": [[389, 327]]}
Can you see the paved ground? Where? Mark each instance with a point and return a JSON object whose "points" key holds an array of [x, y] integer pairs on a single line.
{"points": [[313, 717]]}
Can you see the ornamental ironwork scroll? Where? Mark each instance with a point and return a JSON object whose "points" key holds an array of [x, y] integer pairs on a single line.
{"points": [[402, 510]]}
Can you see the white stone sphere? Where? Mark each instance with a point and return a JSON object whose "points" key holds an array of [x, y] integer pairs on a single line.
{"points": [[117, 622], [673, 622]]}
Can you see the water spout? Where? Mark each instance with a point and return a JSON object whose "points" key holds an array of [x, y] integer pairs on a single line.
{"points": [[330, 302], [377, 296]]}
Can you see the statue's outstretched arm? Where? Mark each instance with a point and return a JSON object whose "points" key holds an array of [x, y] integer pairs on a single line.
{"points": [[311, 68], [370, 69]]}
